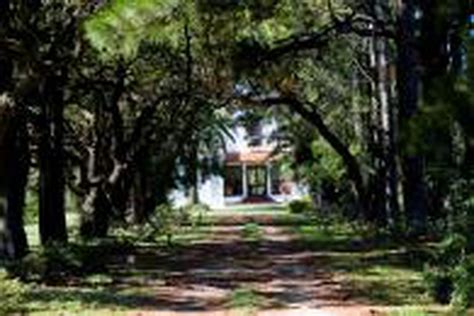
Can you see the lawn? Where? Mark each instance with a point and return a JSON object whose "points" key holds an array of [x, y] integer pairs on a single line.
{"points": [[156, 275]]}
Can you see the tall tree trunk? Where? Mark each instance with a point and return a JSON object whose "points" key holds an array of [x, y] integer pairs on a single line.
{"points": [[194, 174], [96, 208], [388, 174], [13, 179], [413, 165], [95, 220], [14, 160], [468, 160], [52, 217], [378, 102]]}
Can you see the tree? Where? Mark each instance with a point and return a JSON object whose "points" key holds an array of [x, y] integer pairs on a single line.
{"points": [[13, 175], [14, 159]]}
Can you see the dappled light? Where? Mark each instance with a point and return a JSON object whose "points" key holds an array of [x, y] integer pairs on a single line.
{"points": [[287, 266], [236, 157]]}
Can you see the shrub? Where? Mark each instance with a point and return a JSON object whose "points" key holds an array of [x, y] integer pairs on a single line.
{"points": [[252, 232], [196, 214], [12, 294], [50, 262], [302, 206], [165, 221], [439, 284], [168, 221], [463, 280], [450, 275]]}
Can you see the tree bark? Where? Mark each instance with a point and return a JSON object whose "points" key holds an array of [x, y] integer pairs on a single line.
{"points": [[413, 165], [96, 208], [388, 166], [14, 159], [52, 216], [13, 178], [352, 165]]}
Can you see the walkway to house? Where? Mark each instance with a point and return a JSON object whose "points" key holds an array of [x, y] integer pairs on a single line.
{"points": [[262, 264], [246, 261]]}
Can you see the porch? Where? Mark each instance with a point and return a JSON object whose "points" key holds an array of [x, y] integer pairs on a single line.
{"points": [[254, 177]]}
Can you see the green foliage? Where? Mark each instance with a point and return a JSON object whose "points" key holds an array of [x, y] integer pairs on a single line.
{"points": [[12, 294], [169, 220], [460, 207], [197, 214], [453, 284], [243, 298], [463, 294], [252, 232], [99, 280], [329, 166], [51, 263], [302, 206], [439, 284], [119, 28], [167, 224], [445, 276]]}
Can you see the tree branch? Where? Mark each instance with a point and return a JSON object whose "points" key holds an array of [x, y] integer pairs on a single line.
{"points": [[308, 112], [352, 24]]}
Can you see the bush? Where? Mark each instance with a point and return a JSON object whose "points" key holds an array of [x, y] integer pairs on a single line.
{"points": [[50, 263], [302, 206], [450, 277], [439, 284], [463, 280], [196, 214], [165, 221], [168, 221], [252, 232], [12, 294]]}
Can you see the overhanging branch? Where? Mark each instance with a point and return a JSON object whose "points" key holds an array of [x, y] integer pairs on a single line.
{"points": [[352, 24], [307, 111]]}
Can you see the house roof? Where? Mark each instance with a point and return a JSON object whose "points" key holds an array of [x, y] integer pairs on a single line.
{"points": [[255, 156]]}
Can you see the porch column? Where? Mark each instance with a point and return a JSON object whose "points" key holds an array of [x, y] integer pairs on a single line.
{"points": [[244, 181], [269, 179]]}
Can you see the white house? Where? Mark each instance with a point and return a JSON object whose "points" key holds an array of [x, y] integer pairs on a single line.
{"points": [[251, 173]]}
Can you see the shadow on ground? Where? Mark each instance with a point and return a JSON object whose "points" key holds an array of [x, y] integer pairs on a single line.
{"points": [[286, 268]]}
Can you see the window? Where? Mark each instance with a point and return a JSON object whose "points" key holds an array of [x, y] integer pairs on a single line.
{"points": [[276, 180], [233, 181], [255, 134]]}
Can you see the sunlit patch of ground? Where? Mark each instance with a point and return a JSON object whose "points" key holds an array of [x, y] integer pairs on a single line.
{"points": [[279, 264]]}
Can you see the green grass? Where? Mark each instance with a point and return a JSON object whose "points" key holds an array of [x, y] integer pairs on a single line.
{"points": [[383, 274], [376, 271], [408, 312], [245, 298], [386, 284], [421, 311], [50, 300]]}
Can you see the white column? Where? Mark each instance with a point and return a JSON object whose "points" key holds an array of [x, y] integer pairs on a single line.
{"points": [[269, 179], [244, 181]]}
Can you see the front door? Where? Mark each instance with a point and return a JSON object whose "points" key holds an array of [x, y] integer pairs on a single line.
{"points": [[257, 181]]}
